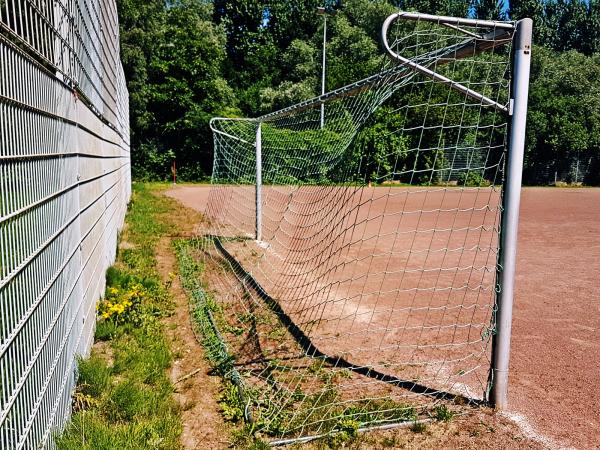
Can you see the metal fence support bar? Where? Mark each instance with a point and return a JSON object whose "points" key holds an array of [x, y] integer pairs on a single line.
{"points": [[510, 222], [258, 146]]}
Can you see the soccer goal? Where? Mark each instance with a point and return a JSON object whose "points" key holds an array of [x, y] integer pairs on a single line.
{"points": [[358, 251]]}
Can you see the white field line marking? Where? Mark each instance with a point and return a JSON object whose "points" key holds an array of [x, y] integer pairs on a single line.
{"points": [[530, 432]]}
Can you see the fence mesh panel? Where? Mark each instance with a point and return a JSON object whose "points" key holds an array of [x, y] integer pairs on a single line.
{"points": [[64, 186], [361, 289]]}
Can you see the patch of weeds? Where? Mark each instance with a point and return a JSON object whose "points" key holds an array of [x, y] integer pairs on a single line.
{"points": [[346, 430], [236, 331], [418, 427], [244, 318], [83, 402], [94, 376], [298, 394], [231, 406], [277, 334], [316, 412], [345, 373], [367, 412], [317, 366], [442, 413], [106, 330], [245, 438], [259, 444], [389, 442], [206, 314]]}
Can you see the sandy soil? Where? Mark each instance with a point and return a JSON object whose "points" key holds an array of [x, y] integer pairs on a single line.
{"points": [[555, 350], [196, 390]]}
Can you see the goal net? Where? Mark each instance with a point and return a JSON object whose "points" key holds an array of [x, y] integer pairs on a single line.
{"points": [[350, 244]]}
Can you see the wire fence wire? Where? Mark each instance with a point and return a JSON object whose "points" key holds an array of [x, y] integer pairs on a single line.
{"points": [[64, 186]]}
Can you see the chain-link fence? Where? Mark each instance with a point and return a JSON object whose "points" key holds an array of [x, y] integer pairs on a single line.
{"points": [[573, 169]]}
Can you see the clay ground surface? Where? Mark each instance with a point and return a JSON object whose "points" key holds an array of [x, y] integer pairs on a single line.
{"points": [[555, 347], [196, 388]]}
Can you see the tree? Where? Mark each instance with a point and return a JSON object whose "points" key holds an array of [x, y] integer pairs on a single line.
{"points": [[249, 42], [189, 89], [519, 9], [141, 22], [173, 58], [489, 9], [456, 8], [351, 54], [591, 43], [290, 20], [564, 111]]}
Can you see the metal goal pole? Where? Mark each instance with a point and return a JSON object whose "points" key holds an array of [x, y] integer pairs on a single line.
{"points": [[510, 220], [258, 146]]}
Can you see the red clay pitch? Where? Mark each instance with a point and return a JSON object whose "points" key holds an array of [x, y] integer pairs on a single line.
{"points": [[555, 357]]}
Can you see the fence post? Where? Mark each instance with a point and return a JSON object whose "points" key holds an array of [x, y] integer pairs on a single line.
{"points": [[510, 220], [258, 145]]}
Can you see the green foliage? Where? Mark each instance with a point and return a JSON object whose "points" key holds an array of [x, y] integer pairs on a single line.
{"points": [[564, 116], [442, 413], [94, 376], [378, 150], [346, 431], [173, 56], [191, 60], [231, 406], [488, 9], [123, 397], [418, 427], [472, 178]]}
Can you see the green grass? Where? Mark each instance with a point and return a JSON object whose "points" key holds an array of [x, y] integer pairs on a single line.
{"points": [[442, 413], [320, 412], [124, 398]]}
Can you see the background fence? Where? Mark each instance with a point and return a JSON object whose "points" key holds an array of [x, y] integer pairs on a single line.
{"points": [[64, 186], [573, 168]]}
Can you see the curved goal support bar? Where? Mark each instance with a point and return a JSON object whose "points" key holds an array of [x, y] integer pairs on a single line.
{"points": [[501, 33], [457, 21]]}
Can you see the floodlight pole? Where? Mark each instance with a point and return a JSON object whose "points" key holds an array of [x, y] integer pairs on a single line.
{"points": [[258, 190], [511, 200], [324, 13]]}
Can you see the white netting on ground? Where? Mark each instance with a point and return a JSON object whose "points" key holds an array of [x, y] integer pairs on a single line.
{"points": [[369, 297]]}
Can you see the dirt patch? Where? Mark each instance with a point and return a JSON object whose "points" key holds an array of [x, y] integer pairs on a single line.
{"points": [[555, 350], [195, 389], [104, 351], [479, 428]]}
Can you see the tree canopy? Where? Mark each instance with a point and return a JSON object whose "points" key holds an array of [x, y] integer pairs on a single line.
{"points": [[187, 61]]}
